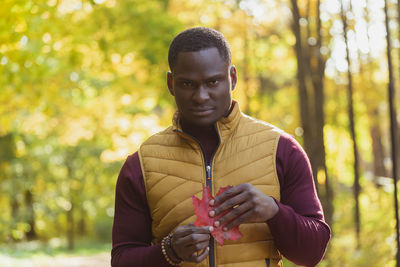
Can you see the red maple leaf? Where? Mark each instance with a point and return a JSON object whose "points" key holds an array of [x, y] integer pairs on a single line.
{"points": [[202, 208]]}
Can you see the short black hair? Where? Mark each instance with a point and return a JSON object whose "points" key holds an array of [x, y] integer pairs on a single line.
{"points": [[196, 39]]}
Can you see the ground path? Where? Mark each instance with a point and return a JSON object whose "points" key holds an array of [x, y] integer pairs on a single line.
{"points": [[97, 260]]}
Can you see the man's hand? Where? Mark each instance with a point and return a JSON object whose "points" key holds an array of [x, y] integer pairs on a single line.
{"points": [[190, 242], [248, 203]]}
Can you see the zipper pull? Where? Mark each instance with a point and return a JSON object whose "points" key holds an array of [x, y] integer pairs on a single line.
{"points": [[208, 172]]}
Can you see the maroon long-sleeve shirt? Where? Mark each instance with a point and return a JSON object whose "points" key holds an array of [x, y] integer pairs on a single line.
{"points": [[299, 229]]}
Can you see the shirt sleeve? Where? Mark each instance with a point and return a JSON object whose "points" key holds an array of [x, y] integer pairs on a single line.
{"points": [[299, 230], [131, 233]]}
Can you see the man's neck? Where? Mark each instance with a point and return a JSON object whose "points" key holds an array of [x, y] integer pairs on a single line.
{"points": [[207, 136], [198, 131]]}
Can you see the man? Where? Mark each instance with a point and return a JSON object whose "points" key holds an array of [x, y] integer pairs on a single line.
{"points": [[212, 143]]}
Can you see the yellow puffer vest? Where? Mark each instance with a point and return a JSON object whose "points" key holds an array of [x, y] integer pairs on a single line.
{"points": [[174, 169]]}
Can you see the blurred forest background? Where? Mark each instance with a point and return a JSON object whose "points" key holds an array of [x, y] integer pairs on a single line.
{"points": [[82, 84]]}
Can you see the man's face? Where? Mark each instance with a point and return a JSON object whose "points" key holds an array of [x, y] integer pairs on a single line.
{"points": [[202, 84]]}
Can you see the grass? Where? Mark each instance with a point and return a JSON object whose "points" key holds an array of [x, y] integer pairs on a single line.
{"points": [[55, 253], [54, 247]]}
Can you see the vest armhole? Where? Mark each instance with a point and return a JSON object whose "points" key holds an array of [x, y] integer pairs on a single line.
{"points": [[143, 171], [275, 149]]}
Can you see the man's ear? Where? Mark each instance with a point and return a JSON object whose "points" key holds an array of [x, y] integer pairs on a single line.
{"points": [[233, 75], [170, 81]]}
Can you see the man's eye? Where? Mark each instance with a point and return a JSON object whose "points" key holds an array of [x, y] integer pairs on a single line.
{"points": [[187, 84], [212, 83]]}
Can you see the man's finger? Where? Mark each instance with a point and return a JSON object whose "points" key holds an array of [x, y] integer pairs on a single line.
{"points": [[202, 256], [193, 239], [196, 248], [239, 220], [193, 251], [234, 214], [226, 195], [188, 230], [228, 204]]}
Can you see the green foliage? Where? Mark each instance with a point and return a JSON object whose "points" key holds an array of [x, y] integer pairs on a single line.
{"points": [[377, 235], [83, 84], [77, 77]]}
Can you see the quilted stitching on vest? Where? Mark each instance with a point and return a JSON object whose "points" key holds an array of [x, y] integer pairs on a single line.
{"points": [[174, 169]]}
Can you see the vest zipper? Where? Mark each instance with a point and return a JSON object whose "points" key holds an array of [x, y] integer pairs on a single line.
{"points": [[211, 254], [208, 171]]}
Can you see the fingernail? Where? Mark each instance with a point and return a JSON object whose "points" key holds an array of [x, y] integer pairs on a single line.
{"points": [[216, 223], [211, 213], [225, 229], [211, 228], [208, 248], [212, 202]]}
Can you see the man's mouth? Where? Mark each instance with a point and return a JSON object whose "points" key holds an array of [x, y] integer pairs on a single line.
{"points": [[202, 112]]}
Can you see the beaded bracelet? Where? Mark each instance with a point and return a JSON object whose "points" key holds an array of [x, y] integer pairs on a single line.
{"points": [[164, 252], [169, 241]]}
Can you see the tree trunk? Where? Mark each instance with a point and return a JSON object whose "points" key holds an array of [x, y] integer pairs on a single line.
{"points": [[393, 128], [377, 150], [397, 122], [305, 114], [319, 103], [71, 228], [31, 234], [82, 223], [246, 69], [14, 213], [70, 212], [356, 186]]}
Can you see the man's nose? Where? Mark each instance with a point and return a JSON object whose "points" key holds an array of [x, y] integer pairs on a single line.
{"points": [[201, 95]]}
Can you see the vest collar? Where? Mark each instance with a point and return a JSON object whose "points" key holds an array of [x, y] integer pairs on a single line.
{"points": [[224, 126]]}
